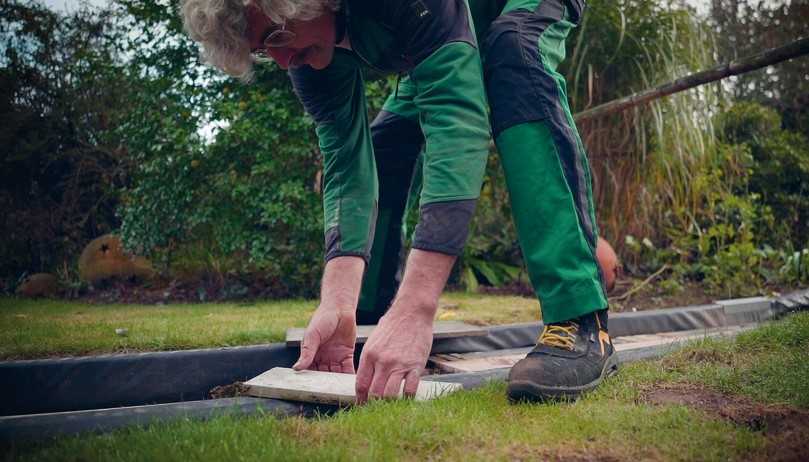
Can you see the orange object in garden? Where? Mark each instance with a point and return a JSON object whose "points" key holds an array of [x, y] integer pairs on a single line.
{"points": [[608, 261], [104, 258]]}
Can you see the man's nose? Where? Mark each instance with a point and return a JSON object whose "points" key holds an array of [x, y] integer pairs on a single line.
{"points": [[282, 56]]}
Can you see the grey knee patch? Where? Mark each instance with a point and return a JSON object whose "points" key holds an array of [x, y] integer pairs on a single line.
{"points": [[444, 226]]}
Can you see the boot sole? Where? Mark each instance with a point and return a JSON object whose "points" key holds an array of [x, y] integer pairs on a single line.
{"points": [[524, 390]]}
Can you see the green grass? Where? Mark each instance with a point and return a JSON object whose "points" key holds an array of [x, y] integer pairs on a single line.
{"points": [[768, 364], [614, 423], [477, 425], [47, 328]]}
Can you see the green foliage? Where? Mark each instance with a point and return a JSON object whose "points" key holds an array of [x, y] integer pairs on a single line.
{"points": [[250, 195], [781, 172], [201, 171], [59, 168], [745, 233], [492, 253], [745, 122], [251, 192], [620, 45], [746, 27], [722, 248]]}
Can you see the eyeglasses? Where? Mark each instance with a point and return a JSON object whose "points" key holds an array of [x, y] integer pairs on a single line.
{"points": [[277, 38]]}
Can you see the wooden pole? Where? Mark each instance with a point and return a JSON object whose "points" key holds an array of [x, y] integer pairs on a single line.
{"points": [[766, 58]]}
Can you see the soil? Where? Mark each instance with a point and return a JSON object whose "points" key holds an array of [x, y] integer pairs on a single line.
{"points": [[160, 291], [226, 287], [785, 428], [649, 296], [228, 391], [652, 296]]}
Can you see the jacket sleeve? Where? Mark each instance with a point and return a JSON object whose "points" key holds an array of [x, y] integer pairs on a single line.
{"points": [[451, 102], [335, 98]]}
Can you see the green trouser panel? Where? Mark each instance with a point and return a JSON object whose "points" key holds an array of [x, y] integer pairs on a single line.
{"points": [[556, 250], [545, 163], [444, 95]]}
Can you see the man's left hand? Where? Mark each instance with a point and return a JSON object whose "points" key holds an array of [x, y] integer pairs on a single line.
{"points": [[396, 351]]}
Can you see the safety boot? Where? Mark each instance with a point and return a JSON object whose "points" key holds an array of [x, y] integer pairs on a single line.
{"points": [[570, 358]]}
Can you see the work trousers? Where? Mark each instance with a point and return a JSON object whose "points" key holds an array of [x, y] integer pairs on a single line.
{"points": [[544, 161]]}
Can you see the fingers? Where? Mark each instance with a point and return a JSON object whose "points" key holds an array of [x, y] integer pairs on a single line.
{"points": [[345, 366], [377, 388], [309, 347], [394, 385], [364, 377], [411, 384], [348, 365]]}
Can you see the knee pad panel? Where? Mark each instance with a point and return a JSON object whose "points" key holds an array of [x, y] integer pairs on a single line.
{"points": [[444, 226]]}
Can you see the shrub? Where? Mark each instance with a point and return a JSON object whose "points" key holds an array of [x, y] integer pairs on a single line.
{"points": [[780, 171]]}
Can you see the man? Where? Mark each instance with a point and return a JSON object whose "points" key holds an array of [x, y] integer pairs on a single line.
{"points": [[435, 119]]}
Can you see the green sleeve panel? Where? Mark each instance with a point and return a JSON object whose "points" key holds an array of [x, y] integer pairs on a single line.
{"points": [[400, 101], [451, 102], [335, 97]]}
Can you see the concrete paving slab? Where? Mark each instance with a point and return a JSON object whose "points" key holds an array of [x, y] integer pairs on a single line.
{"points": [[326, 387]]}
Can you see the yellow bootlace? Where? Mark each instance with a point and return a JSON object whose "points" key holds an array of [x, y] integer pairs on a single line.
{"points": [[559, 336]]}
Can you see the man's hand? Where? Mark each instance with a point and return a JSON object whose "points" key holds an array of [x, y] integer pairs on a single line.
{"points": [[328, 343], [398, 348]]}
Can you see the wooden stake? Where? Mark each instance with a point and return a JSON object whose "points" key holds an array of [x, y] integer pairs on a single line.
{"points": [[766, 58]]}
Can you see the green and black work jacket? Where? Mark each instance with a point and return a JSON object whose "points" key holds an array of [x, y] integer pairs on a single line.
{"points": [[433, 43]]}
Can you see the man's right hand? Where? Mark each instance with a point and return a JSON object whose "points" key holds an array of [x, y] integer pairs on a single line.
{"points": [[328, 343]]}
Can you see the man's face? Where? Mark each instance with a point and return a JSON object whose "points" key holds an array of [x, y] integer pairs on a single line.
{"points": [[313, 44]]}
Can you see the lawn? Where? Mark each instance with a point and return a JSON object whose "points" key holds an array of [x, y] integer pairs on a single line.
{"points": [[48, 328], [741, 399]]}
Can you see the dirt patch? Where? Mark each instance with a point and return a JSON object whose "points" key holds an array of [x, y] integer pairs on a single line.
{"points": [[656, 295], [513, 288], [203, 289], [786, 428], [229, 391], [653, 295]]}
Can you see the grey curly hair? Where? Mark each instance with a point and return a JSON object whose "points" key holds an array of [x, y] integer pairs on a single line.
{"points": [[220, 26]]}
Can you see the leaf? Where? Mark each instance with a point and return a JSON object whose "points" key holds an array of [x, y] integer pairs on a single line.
{"points": [[470, 281]]}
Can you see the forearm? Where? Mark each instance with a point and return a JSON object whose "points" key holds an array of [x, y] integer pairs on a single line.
{"points": [[342, 280], [425, 276]]}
